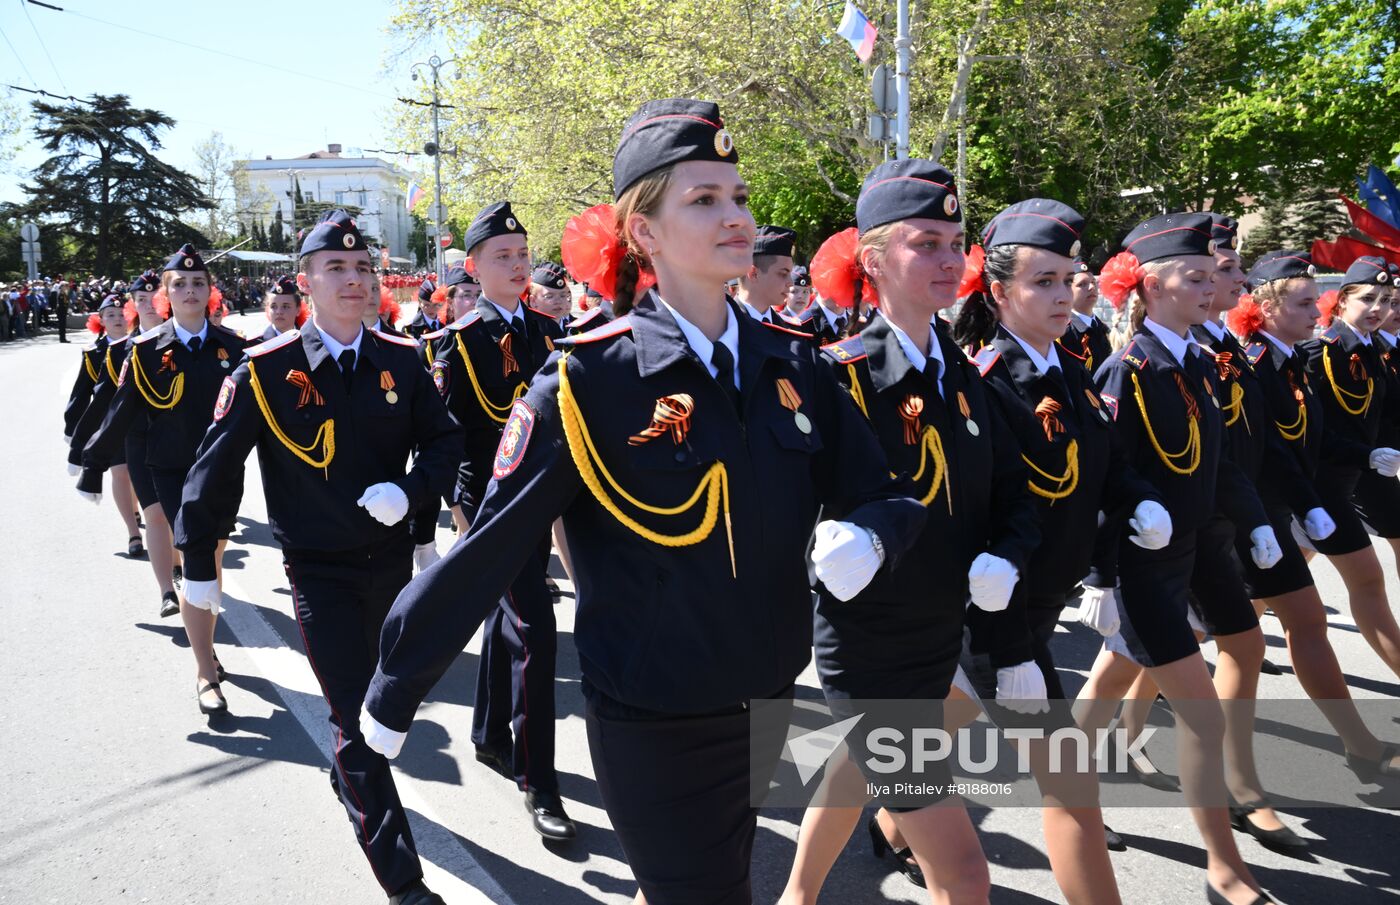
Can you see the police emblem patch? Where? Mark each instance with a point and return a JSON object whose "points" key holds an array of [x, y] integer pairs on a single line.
{"points": [[1110, 403], [440, 378], [514, 438], [225, 399]]}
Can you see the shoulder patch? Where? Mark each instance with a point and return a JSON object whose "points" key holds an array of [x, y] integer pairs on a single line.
{"points": [[441, 375], [584, 322], [1111, 403], [845, 351], [277, 342], [434, 336], [781, 329], [1331, 334], [1133, 356], [396, 340], [1255, 352], [515, 436], [471, 317], [226, 391], [616, 328], [986, 359], [145, 337], [117, 342]]}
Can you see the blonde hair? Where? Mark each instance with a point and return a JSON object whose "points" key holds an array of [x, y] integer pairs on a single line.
{"points": [[1137, 301], [876, 238], [642, 197]]}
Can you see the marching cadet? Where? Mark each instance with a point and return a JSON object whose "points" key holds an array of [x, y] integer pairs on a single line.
{"points": [[597, 311], [111, 326], [799, 293], [483, 365], [1345, 365], [687, 610], [1087, 338], [284, 308], [381, 311], [334, 411], [1163, 393], [429, 317], [550, 293], [823, 320], [763, 289], [1280, 313], [170, 380]]}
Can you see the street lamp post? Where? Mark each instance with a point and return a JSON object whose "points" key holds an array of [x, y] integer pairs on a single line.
{"points": [[434, 149]]}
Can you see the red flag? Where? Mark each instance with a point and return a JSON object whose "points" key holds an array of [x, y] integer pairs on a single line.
{"points": [[1340, 254], [1373, 226]]}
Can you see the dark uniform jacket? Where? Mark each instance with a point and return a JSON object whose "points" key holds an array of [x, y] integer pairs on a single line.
{"points": [[88, 376], [1087, 343], [170, 387], [102, 394], [480, 369], [319, 448], [591, 319], [1069, 493], [981, 504], [419, 325], [815, 324], [1350, 380], [1154, 401], [663, 622]]}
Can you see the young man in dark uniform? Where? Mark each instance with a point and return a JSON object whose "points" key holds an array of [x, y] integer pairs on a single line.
{"points": [[763, 290], [483, 365], [334, 411], [428, 318], [823, 321]]}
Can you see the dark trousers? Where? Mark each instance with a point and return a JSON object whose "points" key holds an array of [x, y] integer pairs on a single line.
{"points": [[515, 678], [422, 523], [341, 600]]}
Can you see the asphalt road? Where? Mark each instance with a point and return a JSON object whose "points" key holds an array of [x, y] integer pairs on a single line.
{"points": [[118, 790]]}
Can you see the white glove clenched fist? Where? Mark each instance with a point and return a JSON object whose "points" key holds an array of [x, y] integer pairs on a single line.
{"points": [[1151, 524], [1318, 524], [1386, 461], [380, 737], [845, 558], [386, 502], [1098, 609], [990, 582], [94, 498], [1022, 688], [1265, 550]]}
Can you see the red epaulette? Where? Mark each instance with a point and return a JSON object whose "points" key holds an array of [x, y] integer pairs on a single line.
{"points": [[587, 318], [1133, 356], [615, 328], [276, 342], [986, 359], [798, 333], [396, 340]]}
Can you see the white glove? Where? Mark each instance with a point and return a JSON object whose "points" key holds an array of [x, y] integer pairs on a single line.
{"points": [[1098, 609], [1266, 552], [990, 581], [380, 737], [1022, 688], [203, 595], [1386, 461], [74, 470], [425, 555], [1319, 524], [67, 439], [1152, 524], [94, 498], [844, 558], [386, 502]]}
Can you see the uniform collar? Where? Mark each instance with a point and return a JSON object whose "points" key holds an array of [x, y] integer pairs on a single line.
{"points": [[916, 356], [1215, 329], [893, 355], [1179, 347], [335, 346], [1041, 363], [314, 344], [826, 313], [750, 310], [517, 318], [701, 345], [661, 343], [1394, 338], [1085, 320], [1349, 337], [184, 336]]}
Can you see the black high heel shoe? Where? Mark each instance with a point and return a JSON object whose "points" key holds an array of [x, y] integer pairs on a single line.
{"points": [[903, 858], [219, 705], [1215, 898], [1374, 770], [134, 549], [1284, 840]]}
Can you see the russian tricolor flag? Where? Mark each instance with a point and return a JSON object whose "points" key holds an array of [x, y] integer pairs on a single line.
{"points": [[858, 30], [415, 195]]}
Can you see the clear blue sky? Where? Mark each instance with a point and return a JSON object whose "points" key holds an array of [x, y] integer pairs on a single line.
{"points": [[260, 110]]}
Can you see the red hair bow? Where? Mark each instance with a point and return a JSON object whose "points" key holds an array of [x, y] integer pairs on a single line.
{"points": [[593, 251], [835, 270], [1119, 277], [974, 278]]}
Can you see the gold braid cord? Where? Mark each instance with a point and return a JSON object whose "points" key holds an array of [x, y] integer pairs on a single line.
{"points": [[1298, 429], [1235, 409], [143, 383], [1342, 395], [1070, 477], [89, 367], [931, 447], [496, 413], [111, 371], [325, 437], [1193, 440], [857, 393], [714, 485]]}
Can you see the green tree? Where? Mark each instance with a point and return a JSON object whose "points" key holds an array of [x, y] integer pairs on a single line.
{"points": [[121, 204]]}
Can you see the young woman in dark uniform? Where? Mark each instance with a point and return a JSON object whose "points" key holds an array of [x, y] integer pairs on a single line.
{"points": [[1087, 337], [1281, 313], [1345, 366], [1163, 392], [170, 379], [670, 441]]}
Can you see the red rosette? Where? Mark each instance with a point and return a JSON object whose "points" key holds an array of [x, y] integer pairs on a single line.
{"points": [[303, 312], [974, 278], [1246, 318], [161, 302], [216, 299], [1326, 308], [133, 317], [389, 309], [1119, 277], [593, 251], [440, 295], [835, 270], [94, 324]]}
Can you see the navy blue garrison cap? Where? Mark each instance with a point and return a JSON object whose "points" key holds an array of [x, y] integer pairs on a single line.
{"points": [[1171, 236], [1280, 265], [336, 231], [905, 189], [774, 240], [1038, 222], [801, 276], [1367, 271], [111, 301], [666, 132], [146, 282], [285, 286], [426, 290], [550, 276], [1225, 231], [456, 276], [186, 260], [491, 221]]}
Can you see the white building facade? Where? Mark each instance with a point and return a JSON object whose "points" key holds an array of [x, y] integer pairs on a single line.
{"points": [[375, 186]]}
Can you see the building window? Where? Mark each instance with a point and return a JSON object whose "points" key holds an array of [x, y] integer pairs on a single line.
{"points": [[362, 199], [339, 197]]}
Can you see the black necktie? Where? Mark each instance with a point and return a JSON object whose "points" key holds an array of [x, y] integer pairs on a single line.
{"points": [[723, 361], [520, 346], [346, 360], [194, 344], [1058, 385], [840, 325]]}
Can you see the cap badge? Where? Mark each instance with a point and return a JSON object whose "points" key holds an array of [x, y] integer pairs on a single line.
{"points": [[348, 240], [1210, 247], [724, 143], [950, 204], [189, 262], [510, 223]]}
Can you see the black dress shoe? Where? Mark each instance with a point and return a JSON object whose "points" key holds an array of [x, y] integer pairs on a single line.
{"points": [[1215, 898], [211, 699], [903, 858], [134, 549], [177, 575], [417, 894], [497, 757], [169, 604], [1112, 841], [1154, 779], [1269, 669], [1284, 841], [547, 814]]}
